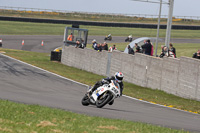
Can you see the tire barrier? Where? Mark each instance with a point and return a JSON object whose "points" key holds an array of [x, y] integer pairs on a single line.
{"points": [[56, 56], [105, 24]]}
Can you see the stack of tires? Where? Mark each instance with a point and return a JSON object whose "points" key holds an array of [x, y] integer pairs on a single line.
{"points": [[56, 56]]}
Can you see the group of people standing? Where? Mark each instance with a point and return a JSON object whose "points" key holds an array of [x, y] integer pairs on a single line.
{"points": [[102, 46], [171, 52], [196, 55], [147, 48]]}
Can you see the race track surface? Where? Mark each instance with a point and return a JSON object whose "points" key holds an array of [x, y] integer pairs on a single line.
{"points": [[33, 42], [26, 84]]}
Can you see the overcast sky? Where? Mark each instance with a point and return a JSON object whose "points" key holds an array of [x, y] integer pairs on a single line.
{"points": [[181, 7]]}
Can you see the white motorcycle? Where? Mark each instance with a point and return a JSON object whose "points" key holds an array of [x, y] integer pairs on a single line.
{"points": [[102, 95]]}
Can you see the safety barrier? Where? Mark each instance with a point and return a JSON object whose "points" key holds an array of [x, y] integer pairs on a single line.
{"points": [[106, 24], [175, 76]]}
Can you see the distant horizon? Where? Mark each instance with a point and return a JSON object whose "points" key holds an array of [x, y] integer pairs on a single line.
{"points": [[141, 15], [181, 7]]}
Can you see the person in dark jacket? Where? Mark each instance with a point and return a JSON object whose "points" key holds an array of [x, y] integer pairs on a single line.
{"points": [[79, 44], [98, 48], [137, 48], [163, 51], [196, 55], [94, 44], [130, 50], [104, 46], [118, 77], [147, 47], [172, 49]]}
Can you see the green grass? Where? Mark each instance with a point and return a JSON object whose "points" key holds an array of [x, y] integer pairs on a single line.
{"points": [[21, 118], [27, 28], [94, 17], [42, 60], [16, 117]]}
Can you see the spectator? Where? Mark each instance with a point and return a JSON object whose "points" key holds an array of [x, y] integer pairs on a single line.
{"points": [[137, 48], [151, 49], [70, 37], [104, 46], [196, 55], [130, 50], [79, 44], [147, 47], [172, 49], [142, 49], [112, 48], [163, 52], [98, 48], [0, 42], [166, 52], [94, 44]]}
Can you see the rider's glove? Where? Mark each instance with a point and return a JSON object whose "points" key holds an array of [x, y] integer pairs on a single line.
{"points": [[104, 81]]}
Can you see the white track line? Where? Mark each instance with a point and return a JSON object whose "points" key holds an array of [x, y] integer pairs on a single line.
{"points": [[87, 85], [43, 70]]}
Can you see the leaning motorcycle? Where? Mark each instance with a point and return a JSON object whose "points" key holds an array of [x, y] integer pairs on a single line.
{"points": [[128, 39], [103, 95], [108, 38]]}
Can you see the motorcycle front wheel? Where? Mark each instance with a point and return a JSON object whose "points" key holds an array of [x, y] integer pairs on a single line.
{"points": [[85, 101], [103, 100]]}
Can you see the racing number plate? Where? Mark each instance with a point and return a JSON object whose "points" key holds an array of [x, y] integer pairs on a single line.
{"points": [[115, 90]]}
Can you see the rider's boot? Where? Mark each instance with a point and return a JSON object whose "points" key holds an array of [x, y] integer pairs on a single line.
{"points": [[90, 90]]}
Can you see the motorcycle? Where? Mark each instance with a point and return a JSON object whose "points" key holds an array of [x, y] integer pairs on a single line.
{"points": [[109, 37], [129, 39], [103, 95]]}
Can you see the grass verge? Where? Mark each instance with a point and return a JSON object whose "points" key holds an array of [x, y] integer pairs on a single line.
{"points": [[27, 28], [42, 60], [21, 118], [94, 17]]}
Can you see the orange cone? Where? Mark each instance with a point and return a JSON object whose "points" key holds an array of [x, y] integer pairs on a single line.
{"points": [[42, 44], [22, 42]]}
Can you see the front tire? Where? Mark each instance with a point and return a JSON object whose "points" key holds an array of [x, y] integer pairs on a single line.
{"points": [[85, 101], [103, 101]]}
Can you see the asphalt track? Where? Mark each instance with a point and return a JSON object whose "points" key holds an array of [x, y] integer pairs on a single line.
{"points": [[33, 42], [23, 83]]}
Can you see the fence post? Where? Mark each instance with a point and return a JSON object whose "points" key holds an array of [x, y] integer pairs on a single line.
{"points": [[108, 64]]}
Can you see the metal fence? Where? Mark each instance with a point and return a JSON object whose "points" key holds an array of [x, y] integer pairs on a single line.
{"points": [[96, 13]]}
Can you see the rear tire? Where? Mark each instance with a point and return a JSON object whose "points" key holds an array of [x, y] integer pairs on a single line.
{"points": [[102, 102], [85, 101]]}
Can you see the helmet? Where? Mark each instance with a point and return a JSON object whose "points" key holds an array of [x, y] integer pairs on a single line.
{"points": [[119, 76]]}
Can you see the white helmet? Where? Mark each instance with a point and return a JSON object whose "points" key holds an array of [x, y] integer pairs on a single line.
{"points": [[119, 76]]}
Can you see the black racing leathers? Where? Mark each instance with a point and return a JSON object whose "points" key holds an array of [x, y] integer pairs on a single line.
{"points": [[105, 81]]}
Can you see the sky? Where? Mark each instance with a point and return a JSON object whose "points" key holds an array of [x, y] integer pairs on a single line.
{"points": [[181, 7]]}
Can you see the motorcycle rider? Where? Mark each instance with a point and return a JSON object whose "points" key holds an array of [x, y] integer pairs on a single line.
{"points": [[118, 77], [108, 37], [129, 38]]}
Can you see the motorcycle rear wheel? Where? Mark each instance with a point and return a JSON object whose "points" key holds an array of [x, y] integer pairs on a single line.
{"points": [[103, 101], [85, 101]]}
